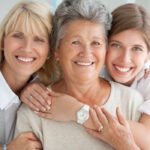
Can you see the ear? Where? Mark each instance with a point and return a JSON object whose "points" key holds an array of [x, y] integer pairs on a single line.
{"points": [[56, 56]]}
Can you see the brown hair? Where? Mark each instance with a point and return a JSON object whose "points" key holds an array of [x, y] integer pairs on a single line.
{"points": [[131, 16]]}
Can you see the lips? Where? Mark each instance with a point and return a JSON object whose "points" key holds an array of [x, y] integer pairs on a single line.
{"points": [[123, 69], [25, 59], [84, 63]]}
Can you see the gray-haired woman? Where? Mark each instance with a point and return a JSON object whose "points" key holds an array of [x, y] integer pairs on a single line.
{"points": [[78, 47]]}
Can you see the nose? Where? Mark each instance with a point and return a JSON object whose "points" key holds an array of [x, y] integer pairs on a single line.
{"points": [[125, 55], [27, 45], [86, 50]]}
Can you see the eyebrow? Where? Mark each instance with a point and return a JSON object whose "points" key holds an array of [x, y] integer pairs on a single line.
{"points": [[137, 45]]}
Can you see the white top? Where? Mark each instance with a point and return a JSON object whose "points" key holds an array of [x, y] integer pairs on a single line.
{"points": [[72, 136], [9, 103], [141, 84]]}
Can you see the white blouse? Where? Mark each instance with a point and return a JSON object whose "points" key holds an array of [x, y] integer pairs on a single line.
{"points": [[141, 84]]}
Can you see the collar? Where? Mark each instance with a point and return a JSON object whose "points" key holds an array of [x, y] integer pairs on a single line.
{"points": [[8, 97]]}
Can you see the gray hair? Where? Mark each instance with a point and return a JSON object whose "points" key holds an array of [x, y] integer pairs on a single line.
{"points": [[71, 10]]}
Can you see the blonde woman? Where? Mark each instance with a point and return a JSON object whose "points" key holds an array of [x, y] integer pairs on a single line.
{"points": [[24, 48]]}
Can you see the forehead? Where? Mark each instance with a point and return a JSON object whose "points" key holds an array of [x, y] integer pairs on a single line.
{"points": [[84, 28], [27, 24], [131, 36]]}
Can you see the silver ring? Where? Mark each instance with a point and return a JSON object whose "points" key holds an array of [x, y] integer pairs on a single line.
{"points": [[29, 97], [100, 128]]}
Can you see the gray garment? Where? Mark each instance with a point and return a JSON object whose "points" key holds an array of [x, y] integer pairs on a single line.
{"points": [[7, 123], [9, 104], [72, 136]]}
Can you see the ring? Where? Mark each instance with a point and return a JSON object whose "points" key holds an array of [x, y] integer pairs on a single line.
{"points": [[100, 128], [29, 97]]}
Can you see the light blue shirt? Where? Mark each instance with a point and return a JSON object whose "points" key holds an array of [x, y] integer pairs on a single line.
{"points": [[9, 103]]}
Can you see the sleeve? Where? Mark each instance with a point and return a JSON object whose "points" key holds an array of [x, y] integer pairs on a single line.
{"points": [[145, 107], [27, 121], [137, 101], [145, 91]]}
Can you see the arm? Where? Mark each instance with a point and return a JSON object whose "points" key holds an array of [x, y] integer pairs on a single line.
{"points": [[141, 131], [24, 131], [62, 105], [24, 141], [36, 96]]}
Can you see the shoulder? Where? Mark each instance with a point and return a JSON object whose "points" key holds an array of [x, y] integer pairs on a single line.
{"points": [[26, 113], [125, 92]]}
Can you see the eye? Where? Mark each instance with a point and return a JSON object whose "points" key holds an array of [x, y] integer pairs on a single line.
{"points": [[115, 45], [37, 39], [76, 42], [96, 43], [18, 35], [137, 49]]}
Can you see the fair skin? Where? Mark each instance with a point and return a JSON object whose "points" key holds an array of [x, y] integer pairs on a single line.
{"points": [[81, 54], [24, 54], [127, 53], [83, 59]]}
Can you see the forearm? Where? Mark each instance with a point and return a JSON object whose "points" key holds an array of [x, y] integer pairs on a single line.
{"points": [[141, 134]]}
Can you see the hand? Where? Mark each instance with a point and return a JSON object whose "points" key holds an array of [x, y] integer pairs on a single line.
{"points": [[25, 141], [36, 96], [63, 107], [116, 131]]}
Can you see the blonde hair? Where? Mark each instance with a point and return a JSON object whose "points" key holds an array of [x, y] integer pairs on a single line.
{"points": [[32, 16]]}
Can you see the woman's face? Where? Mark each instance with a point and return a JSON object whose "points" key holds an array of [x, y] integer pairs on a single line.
{"points": [[25, 53], [127, 53], [81, 52]]}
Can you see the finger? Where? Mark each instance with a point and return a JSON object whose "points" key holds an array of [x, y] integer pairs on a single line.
{"points": [[37, 145], [110, 118], [31, 105], [41, 90], [44, 96], [35, 99], [102, 118], [52, 93], [44, 115], [29, 135], [94, 117], [120, 117], [147, 72], [94, 133]]}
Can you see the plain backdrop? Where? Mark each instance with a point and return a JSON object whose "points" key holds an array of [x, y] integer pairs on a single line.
{"points": [[6, 5]]}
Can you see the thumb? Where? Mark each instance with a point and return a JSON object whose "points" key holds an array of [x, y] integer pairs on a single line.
{"points": [[120, 117], [94, 133], [30, 136], [52, 93]]}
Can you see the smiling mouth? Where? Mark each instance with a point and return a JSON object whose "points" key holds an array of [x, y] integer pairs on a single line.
{"points": [[23, 59], [84, 63], [123, 69]]}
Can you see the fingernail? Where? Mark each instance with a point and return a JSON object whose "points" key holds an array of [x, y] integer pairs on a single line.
{"points": [[37, 109], [49, 102], [44, 109], [48, 107], [36, 112]]}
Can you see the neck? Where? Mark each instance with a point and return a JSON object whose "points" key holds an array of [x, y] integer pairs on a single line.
{"points": [[15, 81], [87, 92]]}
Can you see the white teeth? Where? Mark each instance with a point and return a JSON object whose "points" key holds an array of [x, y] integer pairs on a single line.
{"points": [[122, 69], [25, 59], [84, 64]]}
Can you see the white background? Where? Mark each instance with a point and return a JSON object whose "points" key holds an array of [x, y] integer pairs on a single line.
{"points": [[6, 5]]}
